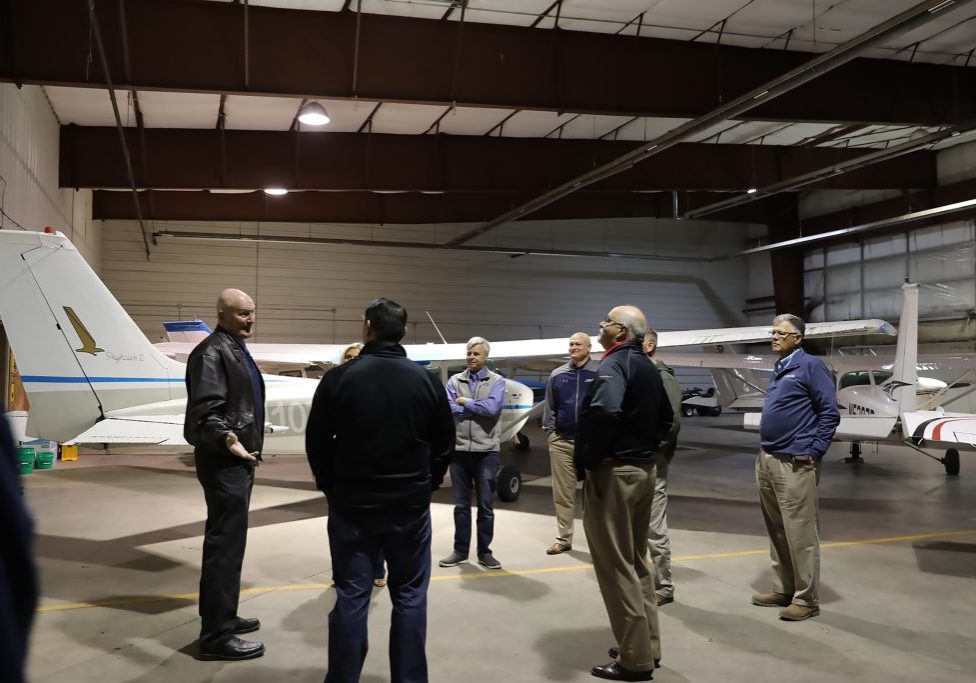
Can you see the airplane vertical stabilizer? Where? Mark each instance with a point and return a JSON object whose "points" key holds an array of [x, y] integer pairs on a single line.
{"points": [[901, 386], [79, 353]]}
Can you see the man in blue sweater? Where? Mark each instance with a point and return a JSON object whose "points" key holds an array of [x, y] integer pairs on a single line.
{"points": [[567, 387], [799, 419]]}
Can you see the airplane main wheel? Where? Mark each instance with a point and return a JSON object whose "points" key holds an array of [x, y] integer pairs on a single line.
{"points": [[687, 411], [716, 411], [951, 462], [509, 484]]}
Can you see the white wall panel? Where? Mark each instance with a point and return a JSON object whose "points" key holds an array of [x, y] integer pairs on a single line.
{"points": [[29, 133], [317, 293], [941, 258]]}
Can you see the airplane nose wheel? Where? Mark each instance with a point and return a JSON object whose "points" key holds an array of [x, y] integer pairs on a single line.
{"points": [[855, 457], [951, 462]]}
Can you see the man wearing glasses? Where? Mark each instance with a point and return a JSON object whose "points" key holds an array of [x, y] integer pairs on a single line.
{"points": [[622, 419], [799, 419]]}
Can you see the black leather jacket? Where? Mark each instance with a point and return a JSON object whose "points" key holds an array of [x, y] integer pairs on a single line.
{"points": [[220, 398]]}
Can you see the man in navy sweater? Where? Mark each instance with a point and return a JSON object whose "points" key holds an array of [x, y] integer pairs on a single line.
{"points": [[799, 419], [567, 387]]}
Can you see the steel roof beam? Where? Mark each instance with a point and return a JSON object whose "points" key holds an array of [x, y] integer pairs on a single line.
{"points": [[232, 159], [379, 208], [498, 65]]}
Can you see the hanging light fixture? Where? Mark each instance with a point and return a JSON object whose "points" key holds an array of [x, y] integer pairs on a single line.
{"points": [[313, 114]]}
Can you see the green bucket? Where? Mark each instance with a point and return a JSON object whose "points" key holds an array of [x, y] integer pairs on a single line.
{"points": [[26, 458], [45, 460]]}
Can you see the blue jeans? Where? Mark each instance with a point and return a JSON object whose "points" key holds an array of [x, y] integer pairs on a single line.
{"points": [[357, 540], [478, 472]]}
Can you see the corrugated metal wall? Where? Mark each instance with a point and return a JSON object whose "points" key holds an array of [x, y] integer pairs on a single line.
{"points": [[31, 197], [317, 293]]}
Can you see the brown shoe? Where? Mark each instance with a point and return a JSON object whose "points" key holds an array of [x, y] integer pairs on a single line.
{"points": [[771, 599], [558, 547], [797, 612]]}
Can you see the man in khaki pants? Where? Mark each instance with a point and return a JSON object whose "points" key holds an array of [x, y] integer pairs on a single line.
{"points": [[658, 538], [622, 419], [565, 391], [799, 419]]}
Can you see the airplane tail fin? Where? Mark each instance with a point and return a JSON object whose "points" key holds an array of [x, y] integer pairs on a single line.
{"points": [[900, 387], [79, 353]]}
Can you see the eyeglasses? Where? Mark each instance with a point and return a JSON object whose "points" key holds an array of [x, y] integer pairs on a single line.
{"points": [[776, 334], [606, 321]]}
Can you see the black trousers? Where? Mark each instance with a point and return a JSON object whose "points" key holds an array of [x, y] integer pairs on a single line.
{"points": [[227, 488]]}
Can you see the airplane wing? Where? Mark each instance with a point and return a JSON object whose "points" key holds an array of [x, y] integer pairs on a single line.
{"points": [[554, 349], [851, 427], [160, 430], [284, 356], [727, 361], [760, 333], [939, 426]]}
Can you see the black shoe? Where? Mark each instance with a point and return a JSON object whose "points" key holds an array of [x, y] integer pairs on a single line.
{"points": [[615, 672], [246, 625], [614, 652], [232, 649]]}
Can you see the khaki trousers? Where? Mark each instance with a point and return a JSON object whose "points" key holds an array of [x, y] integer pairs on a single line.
{"points": [[616, 513], [563, 486], [788, 498], [658, 540]]}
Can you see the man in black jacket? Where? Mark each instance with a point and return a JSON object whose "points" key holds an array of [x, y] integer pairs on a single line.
{"points": [[379, 439], [621, 421], [225, 425], [18, 579]]}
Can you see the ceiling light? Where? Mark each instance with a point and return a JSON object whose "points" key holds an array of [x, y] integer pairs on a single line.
{"points": [[275, 191], [751, 190], [313, 114]]}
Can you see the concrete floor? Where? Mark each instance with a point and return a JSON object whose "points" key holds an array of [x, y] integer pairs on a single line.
{"points": [[119, 549]]}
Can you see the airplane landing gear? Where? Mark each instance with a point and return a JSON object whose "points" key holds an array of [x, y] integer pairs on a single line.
{"points": [[509, 484], [855, 457], [951, 462]]}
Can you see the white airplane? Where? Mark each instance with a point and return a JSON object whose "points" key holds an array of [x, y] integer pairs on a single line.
{"points": [[92, 376]]}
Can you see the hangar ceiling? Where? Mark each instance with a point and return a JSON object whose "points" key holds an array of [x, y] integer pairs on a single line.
{"points": [[457, 111]]}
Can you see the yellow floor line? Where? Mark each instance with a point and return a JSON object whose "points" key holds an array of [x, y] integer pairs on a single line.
{"points": [[115, 602]]}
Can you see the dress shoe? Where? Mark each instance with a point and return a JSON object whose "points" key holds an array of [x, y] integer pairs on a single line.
{"points": [[558, 547], [797, 612], [614, 652], [615, 672], [664, 599], [246, 625], [232, 649], [771, 599]]}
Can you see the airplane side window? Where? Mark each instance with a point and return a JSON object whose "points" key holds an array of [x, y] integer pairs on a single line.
{"points": [[855, 379], [880, 377]]}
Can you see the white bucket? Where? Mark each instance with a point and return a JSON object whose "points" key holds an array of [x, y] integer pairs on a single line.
{"points": [[18, 425]]}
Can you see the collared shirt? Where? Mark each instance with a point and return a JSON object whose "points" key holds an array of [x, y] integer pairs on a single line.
{"points": [[783, 362], [256, 384], [490, 405]]}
